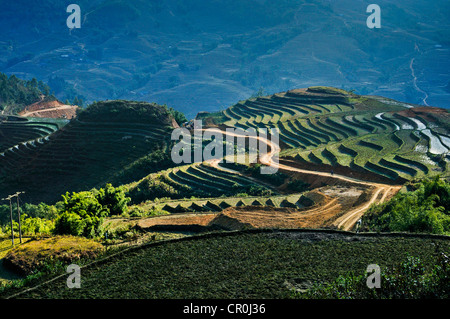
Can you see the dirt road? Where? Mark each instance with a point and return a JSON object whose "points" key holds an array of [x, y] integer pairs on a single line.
{"points": [[37, 112], [344, 222]]}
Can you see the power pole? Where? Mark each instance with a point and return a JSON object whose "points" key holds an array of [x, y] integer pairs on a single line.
{"points": [[12, 230], [10, 197], [18, 212]]}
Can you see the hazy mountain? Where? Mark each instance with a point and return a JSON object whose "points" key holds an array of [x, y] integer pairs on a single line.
{"points": [[198, 55]]}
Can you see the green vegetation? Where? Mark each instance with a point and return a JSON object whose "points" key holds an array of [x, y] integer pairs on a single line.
{"points": [[78, 214], [83, 213], [254, 170], [333, 127], [15, 93], [119, 111], [179, 117], [30, 257], [241, 265], [410, 280], [127, 144], [30, 226], [424, 210], [157, 160], [110, 142], [193, 181]]}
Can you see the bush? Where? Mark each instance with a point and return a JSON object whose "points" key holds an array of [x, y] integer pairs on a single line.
{"points": [[36, 226], [410, 279], [113, 199], [82, 215], [250, 190], [41, 210], [254, 170], [425, 209]]}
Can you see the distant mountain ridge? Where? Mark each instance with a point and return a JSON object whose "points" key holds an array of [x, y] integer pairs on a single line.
{"points": [[194, 57]]}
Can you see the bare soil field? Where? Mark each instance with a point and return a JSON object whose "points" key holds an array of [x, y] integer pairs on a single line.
{"points": [[52, 109]]}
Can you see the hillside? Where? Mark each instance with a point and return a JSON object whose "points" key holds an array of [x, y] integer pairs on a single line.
{"points": [[101, 144], [16, 94], [372, 145], [15, 131], [327, 129], [194, 57], [49, 109], [341, 155]]}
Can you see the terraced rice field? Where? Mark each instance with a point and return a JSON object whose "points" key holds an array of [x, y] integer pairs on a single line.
{"points": [[377, 139], [94, 150], [215, 204], [203, 180], [15, 131], [319, 133]]}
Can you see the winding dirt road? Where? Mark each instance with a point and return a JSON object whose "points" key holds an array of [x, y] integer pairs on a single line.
{"points": [[345, 222]]}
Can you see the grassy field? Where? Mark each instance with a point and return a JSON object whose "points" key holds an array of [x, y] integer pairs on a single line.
{"points": [[5, 274], [258, 264]]}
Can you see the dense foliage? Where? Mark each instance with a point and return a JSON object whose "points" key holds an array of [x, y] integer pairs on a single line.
{"points": [[79, 214], [83, 213], [426, 209], [410, 279], [179, 117], [30, 226], [16, 93]]}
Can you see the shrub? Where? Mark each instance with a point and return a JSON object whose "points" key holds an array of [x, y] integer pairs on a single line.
{"points": [[113, 199], [36, 226], [425, 209], [410, 279], [82, 215]]}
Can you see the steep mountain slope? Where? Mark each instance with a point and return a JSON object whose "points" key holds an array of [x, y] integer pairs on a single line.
{"points": [[190, 55], [330, 137], [353, 150], [329, 129], [16, 130], [95, 148]]}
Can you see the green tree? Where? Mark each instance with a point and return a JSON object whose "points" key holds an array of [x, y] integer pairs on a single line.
{"points": [[424, 209], [113, 199], [82, 215]]}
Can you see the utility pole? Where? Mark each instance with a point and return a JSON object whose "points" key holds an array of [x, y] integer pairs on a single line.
{"points": [[10, 197], [18, 212], [12, 230]]}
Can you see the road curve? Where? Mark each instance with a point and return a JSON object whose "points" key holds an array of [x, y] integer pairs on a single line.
{"points": [[344, 222]]}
